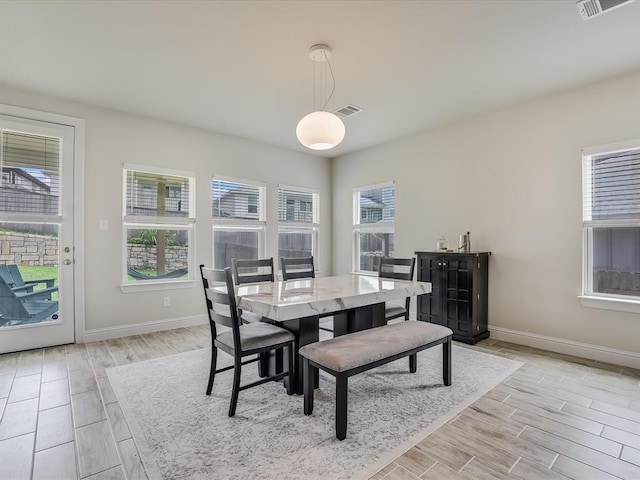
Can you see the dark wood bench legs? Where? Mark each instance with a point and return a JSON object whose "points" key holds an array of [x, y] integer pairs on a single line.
{"points": [[309, 384], [342, 386], [446, 362]]}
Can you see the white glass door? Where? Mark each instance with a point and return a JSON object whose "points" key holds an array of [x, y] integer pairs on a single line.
{"points": [[36, 234]]}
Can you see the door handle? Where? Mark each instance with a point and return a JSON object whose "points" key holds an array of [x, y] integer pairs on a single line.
{"points": [[67, 262]]}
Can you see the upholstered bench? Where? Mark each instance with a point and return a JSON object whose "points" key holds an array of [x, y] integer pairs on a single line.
{"points": [[358, 352]]}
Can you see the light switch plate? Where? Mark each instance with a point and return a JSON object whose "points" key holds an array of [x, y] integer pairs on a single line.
{"points": [[104, 225]]}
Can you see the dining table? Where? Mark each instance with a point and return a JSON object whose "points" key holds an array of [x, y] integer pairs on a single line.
{"points": [[356, 302]]}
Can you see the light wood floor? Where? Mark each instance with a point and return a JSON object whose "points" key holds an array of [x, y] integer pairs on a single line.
{"points": [[557, 417]]}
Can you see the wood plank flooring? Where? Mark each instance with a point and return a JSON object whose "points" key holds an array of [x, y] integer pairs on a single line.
{"points": [[557, 417]]}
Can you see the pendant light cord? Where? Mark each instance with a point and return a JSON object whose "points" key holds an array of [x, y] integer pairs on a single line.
{"points": [[333, 79]]}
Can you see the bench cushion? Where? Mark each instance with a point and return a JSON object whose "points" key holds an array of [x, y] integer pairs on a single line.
{"points": [[356, 349]]}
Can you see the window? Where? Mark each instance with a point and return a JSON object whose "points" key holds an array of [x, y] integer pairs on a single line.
{"points": [[159, 218], [374, 213], [238, 220], [611, 221], [298, 217]]}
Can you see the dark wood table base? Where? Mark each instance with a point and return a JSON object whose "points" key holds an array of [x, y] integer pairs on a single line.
{"points": [[307, 330]]}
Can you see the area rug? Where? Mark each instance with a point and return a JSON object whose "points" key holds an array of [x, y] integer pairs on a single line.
{"points": [[183, 434]]}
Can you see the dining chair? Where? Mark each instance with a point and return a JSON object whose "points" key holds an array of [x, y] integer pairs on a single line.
{"points": [[399, 269], [242, 340], [293, 268], [252, 271]]}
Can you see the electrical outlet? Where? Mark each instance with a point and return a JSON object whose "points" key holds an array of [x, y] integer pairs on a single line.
{"points": [[166, 301]]}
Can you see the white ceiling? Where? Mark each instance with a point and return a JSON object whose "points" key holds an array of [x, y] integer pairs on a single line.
{"points": [[242, 67]]}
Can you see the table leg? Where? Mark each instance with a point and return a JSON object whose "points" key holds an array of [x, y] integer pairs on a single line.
{"points": [[306, 330], [357, 319]]}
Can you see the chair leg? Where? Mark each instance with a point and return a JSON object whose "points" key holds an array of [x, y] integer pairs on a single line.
{"points": [[236, 385], [212, 372], [308, 384], [446, 362], [290, 355], [413, 363], [263, 364], [341, 406]]}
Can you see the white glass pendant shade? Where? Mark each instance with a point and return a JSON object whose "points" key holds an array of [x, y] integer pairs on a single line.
{"points": [[320, 130]]}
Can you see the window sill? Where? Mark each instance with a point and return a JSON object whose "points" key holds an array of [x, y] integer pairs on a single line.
{"points": [[153, 286], [621, 305]]}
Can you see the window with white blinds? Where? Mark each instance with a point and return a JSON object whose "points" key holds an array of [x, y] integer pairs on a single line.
{"points": [[239, 226], [158, 225], [612, 186], [298, 205], [237, 200], [611, 221], [158, 194], [299, 218], [30, 174], [374, 214]]}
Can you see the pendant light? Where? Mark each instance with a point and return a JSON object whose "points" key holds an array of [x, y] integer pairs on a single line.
{"points": [[321, 130]]}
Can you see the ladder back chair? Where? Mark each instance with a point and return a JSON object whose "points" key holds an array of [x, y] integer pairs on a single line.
{"points": [[293, 268], [243, 340], [252, 271], [398, 269]]}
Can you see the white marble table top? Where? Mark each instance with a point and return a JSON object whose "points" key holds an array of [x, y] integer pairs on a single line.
{"points": [[292, 299]]}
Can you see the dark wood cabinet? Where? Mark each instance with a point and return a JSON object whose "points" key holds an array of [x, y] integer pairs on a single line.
{"points": [[459, 295]]}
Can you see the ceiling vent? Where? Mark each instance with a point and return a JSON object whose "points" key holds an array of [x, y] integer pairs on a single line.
{"points": [[347, 111], [592, 8]]}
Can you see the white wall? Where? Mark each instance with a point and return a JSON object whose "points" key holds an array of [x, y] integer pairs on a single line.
{"points": [[512, 178], [114, 138]]}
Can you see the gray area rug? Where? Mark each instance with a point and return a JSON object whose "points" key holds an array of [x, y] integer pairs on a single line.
{"points": [[183, 434]]}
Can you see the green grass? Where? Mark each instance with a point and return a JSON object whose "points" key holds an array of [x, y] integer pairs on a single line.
{"points": [[36, 273]]}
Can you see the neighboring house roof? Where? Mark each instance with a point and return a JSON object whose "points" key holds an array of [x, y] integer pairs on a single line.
{"points": [[371, 203], [28, 176]]}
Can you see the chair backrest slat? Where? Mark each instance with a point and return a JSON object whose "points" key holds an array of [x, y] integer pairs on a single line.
{"points": [[5, 274], [293, 268], [17, 276], [253, 270], [220, 297], [10, 305], [396, 268]]}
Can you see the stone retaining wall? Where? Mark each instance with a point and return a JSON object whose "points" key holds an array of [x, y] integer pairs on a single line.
{"points": [[26, 249], [39, 250], [144, 257]]}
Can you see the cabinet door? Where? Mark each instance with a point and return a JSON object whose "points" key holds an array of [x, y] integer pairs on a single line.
{"points": [[430, 306], [458, 290]]}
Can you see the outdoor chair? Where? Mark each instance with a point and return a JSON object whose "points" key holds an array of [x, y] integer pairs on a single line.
{"points": [[242, 340], [19, 281], [25, 308], [399, 269], [13, 278]]}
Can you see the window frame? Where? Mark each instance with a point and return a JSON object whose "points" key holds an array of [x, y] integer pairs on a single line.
{"points": [[588, 297], [142, 222], [384, 226], [291, 226], [238, 224]]}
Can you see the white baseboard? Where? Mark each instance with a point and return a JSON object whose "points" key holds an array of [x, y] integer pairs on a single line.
{"points": [[569, 347], [106, 333]]}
